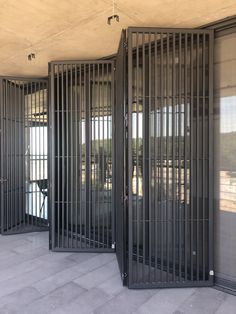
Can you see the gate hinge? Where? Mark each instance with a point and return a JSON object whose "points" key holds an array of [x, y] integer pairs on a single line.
{"points": [[124, 275], [211, 272], [126, 120], [2, 180], [113, 246]]}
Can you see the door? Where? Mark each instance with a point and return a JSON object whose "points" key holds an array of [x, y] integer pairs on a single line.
{"points": [[23, 155], [82, 97], [170, 238]]}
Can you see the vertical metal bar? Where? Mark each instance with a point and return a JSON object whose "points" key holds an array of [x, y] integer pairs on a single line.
{"points": [[191, 155], [15, 190], [109, 126], [4, 216], [36, 154], [99, 155], [143, 162], [43, 153], [47, 153], [161, 161], [103, 157], [112, 120], [167, 153], [63, 158], [155, 161], [39, 218], [211, 149], [38, 124], [111, 148], [72, 114], [77, 171], [185, 156], [137, 157], [23, 180], [58, 153], [12, 154], [9, 101], [27, 150], [31, 153], [94, 147], [20, 165], [203, 153], [180, 158], [173, 152], [81, 155], [67, 157], [3, 145], [90, 158], [197, 156], [148, 183], [130, 163], [88, 144], [86, 132]]}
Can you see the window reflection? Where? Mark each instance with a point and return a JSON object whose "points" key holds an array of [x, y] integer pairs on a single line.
{"points": [[227, 162]]}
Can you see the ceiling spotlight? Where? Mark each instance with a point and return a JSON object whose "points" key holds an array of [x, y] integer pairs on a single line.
{"points": [[31, 56]]}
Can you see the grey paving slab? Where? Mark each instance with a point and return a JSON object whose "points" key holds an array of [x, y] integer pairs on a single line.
{"points": [[35, 280], [113, 285], [126, 302], [166, 301], [19, 298], [28, 278], [204, 301], [95, 262], [81, 257], [86, 303], [55, 300], [52, 282], [18, 258], [97, 276], [228, 306], [6, 254]]}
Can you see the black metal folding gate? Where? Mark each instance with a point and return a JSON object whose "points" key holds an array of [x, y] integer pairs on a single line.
{"points": [[170, 187], [120, 138], [23, 155], [81, 99]]}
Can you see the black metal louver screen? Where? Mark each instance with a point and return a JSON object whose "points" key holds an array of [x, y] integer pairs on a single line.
{"points": [[24, 192], [170, 157], [82, 155]]}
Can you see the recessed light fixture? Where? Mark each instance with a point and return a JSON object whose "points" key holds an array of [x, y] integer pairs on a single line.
{"points": [[114, 16], [31, 56]]}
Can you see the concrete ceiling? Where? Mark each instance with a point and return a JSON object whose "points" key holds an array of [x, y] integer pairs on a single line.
{"points": [[78, 29]]}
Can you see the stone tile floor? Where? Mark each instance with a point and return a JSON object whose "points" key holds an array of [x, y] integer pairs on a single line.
{"points": [[35, 280]]}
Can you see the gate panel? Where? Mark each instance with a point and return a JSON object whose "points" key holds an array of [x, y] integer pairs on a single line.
{"points": [[120, 157], [82, 96], [170, 157], [23, 155]]}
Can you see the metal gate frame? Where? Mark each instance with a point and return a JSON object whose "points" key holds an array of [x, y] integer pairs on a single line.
{"points": [[64, 65], [26, 223], [186, 282], [121, 128]]}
